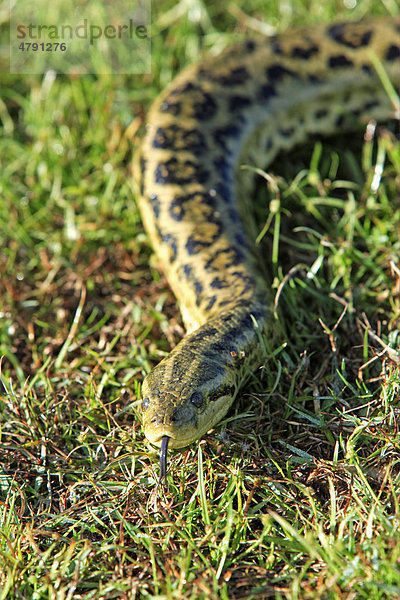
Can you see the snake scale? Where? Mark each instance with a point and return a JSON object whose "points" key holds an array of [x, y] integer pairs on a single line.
{"points": [[244, 106]]}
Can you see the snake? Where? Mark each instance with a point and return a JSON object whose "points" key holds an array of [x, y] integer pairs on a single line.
{"points": [[256, 99]]}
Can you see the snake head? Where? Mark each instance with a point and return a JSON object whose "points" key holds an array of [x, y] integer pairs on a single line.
{"points": [[184, 403]]}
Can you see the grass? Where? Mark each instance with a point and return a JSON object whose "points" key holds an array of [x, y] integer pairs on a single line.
{"points": [[296, 494]]}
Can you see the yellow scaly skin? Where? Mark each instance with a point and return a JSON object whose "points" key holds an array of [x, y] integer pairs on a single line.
{"points": [[245, 106]]}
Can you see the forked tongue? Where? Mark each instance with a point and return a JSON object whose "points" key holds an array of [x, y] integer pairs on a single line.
{"points": [[163, 458]]}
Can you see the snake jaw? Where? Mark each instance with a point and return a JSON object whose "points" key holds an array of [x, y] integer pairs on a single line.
{"points": [[163, 458]]}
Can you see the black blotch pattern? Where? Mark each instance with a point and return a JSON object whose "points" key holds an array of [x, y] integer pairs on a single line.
{"points": [[155, 204], [177, 209], [194, 244], [219, 283], [339, 61], [235, 258], [241, 240], [233, 215], [276, 47], [184, 88], [226, 318], [249, 46], [198, 289], [225, 302], [268, 145], [226, 390], [204, 107], [365, 39], [170, 240], [237, 103], [223, 134], [279, 72], [246, 321], [286, 132], [180, 172], [321, 113], [203, 104], [245, 279], [202, 333], [393, 53], [237, 76], [304, 53], [339, 33], [217, 348], [173, 108], [142, 163], [211, 301], [224, 191], [187, 269], [224, 168], [367, 69], [177, 138], [340, 121], [158, 229], [371, 104], [177, 206]]}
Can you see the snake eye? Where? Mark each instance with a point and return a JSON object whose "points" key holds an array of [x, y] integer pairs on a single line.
{"points": [[145, 403], [197, 399]]}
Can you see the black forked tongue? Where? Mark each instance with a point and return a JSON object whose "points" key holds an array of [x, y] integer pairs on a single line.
{"points": [[163, 458]]}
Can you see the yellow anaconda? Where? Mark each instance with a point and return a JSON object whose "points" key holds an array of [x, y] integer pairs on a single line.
{"points": [[252, 101]]}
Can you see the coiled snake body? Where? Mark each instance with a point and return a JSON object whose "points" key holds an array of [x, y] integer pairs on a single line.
{"points": [[245, 106]]}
